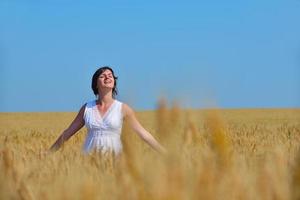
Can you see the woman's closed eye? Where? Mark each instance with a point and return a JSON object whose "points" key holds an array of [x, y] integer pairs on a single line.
{"points": [[108, 76]]}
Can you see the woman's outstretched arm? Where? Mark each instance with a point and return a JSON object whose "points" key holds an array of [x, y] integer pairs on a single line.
{"points": [[139, 129], [76, 125]]}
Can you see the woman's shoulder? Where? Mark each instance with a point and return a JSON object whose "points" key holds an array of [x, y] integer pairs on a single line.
{"points": [[90, 103], [126, 109], [119, 102]]}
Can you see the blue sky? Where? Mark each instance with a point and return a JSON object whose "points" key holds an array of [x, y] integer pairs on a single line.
{"points": [[233, 54]]}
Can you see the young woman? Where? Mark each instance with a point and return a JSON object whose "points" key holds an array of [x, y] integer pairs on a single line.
{"points": [[103, 118]]}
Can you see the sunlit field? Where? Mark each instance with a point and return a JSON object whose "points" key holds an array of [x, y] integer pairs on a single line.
{"points": [[212, 154]]}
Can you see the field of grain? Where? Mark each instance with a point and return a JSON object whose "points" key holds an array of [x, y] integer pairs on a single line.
{"points": [[212, 154]]}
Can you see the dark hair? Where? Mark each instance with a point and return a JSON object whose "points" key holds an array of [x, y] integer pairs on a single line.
{"points": [[96, 76]]}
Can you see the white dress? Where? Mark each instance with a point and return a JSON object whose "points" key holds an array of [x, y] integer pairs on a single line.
{"points": [[104, 132]]}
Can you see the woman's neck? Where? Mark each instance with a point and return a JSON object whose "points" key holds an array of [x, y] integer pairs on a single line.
{"points": [[105, 98]]}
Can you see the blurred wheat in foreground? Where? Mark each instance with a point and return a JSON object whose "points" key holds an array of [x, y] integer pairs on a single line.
{"points": [[213, 154]]}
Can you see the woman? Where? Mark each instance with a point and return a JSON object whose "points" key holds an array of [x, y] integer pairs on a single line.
{"points": [[103, 118]]}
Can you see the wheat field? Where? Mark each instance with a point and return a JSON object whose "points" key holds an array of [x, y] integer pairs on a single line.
{"points": [[212, 154]]}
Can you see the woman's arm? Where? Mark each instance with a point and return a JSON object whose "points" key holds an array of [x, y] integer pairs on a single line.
{"points": [[76, 125], [139, 129]]}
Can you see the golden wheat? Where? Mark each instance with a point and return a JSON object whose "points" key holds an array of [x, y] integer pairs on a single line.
{"points": [[213, 154]]}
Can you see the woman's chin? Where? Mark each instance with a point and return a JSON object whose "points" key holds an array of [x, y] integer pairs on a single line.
{"points": [[108, 87]]}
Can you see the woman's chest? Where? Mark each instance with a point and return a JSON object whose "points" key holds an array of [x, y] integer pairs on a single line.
{"points": [[112, 120]]}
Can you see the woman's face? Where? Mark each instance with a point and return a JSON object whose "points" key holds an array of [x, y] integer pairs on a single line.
{"points": [[106, 80]]}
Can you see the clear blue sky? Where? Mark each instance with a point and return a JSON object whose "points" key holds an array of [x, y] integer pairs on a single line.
{"points": [[233, 53]]}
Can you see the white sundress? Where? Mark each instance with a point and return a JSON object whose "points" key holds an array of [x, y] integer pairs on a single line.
{"points": [[104, 132]]}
